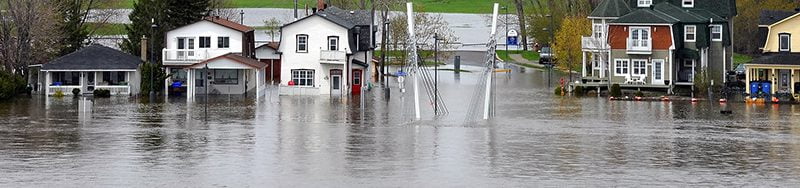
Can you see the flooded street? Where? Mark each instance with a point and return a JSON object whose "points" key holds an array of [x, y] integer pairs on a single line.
{"points": [[537, 139]]}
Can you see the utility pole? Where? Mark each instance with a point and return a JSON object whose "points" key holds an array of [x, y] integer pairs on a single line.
{"points": [[153, 27], [506, 22], [436, 72]]}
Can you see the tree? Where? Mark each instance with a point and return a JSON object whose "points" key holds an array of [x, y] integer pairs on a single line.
{"points": [[558, 10], [520, 5], [426, 26], [568, 42], [76, 15], [26, 34], [271, 27]]}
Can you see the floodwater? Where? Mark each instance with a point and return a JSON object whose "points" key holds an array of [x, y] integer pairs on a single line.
{"points": [[536, 139]]}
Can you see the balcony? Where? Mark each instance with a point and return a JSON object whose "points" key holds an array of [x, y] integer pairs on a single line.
{"points": [[190, 56], [592, 43], [332, 57], [638, 46]]}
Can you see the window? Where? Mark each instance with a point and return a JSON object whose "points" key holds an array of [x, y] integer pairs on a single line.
{"points": [[785, 42], [114, 78], [205, 42], [688, 3], [333, 43], [303, 77], [302, 43], [638, 67], [226, 77], [640, 37], [690, 33], [598, 31], [716, 32], [688, 63], [178, 75], [645, 3], [66, 78], [621, 67], [200, 78], [223, 42]]}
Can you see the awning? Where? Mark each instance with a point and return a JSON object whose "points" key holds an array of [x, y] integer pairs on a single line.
{"points": [[686, 53], [357, 62]]}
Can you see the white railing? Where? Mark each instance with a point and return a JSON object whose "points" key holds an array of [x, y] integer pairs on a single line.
{"points": [[190, 56], [116, 90], [333, 57], [66, 90], [591, 43], [639, 46]]}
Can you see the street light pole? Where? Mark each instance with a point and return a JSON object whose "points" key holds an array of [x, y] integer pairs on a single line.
{"points": [[506, 22], [436, 73], [153, 27]]}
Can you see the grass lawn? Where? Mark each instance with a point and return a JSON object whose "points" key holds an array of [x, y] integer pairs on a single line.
{"points": [[740, 58], [444, 6], [529, 55], [109, 29]]}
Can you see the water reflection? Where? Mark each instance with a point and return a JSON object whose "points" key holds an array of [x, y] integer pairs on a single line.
{"points": [[368, 140]]}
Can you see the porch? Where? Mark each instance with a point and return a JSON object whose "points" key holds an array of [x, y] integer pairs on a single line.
{"points": [[117, 82], [229, 74], [770, 80]]}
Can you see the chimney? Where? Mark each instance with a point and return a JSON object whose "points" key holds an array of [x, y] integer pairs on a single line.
{"points": [[143, 44], [320, 5]]}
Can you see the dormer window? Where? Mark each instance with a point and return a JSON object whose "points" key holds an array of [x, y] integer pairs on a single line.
{"points": [[785, 42], [688, 3], [645, 3]]}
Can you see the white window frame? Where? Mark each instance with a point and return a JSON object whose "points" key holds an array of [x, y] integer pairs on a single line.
{"points": [[693, 33], [598, 31], [788, 37], [644, 3], [303, 43], [621, 67], [716, 30], [306, 75], [200, 42], [688, 3], [333, 43], [637, 42], [640, 66]]}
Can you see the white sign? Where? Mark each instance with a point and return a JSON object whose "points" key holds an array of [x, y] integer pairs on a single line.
{"points": [[512, 33]]}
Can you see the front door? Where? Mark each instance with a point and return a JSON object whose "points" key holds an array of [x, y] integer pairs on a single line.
{"points": [[785, 76], [658, 72], [357, 81], [91, 82], [336, 82]]}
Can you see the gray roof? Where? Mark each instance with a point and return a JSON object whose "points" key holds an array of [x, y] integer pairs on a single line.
{"points": [[769, 17], [94, 57], [778, 59], [646, 16], [611, 9], [348, 19]]}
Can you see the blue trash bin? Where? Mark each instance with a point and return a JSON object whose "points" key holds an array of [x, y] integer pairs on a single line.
{"points": [[754, 88]]}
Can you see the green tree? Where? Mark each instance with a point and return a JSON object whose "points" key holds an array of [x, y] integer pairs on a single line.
{"points": [[746, 23], [568, 41], [558, 10], [75, 15]]}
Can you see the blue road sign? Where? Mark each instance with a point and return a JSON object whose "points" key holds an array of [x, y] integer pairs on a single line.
{"points": [[512, 41]]}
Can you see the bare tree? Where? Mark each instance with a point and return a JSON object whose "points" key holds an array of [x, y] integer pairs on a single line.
{"points": [[427, 25], [222, 8], [272, 26], [26, 34]]}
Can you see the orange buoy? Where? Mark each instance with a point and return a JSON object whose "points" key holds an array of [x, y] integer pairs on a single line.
{"points": [[695, 100], [775, 100], [638, 98], [723, 100], [665, 99]]}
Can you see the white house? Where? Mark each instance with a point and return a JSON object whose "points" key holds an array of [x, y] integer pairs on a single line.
{"points": [[92, 67], [213, 56], [326, 53]]}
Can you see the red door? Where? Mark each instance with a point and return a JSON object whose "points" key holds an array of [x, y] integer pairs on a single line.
{"points": [[357, 81]]}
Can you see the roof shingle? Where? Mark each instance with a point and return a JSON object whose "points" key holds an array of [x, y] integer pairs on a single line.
{"points": [[94, 57]]}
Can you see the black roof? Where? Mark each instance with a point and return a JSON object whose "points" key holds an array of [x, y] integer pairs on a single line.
{"points": [[94, 57], [344, 18], [778, 59], [611, 9], [646, 16], [769, 17]]}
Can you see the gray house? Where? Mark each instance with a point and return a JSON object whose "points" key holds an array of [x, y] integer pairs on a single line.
{"points": [[92, 67]]}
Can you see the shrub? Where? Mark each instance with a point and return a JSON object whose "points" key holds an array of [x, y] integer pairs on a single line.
{"points": [[159, 76], [58, 94], [639, 94], [578, 90], [11, 85], [591, 93], [558, 90], [101, 93], [76, 92], [616, 91]]}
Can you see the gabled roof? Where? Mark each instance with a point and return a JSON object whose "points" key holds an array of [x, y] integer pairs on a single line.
{"points": [[610, 9], [646, 16], [273, 45], [229, 24], [769, 17], [778, 59], [346, 19], [683, 15], [94, 57], [237, 57]]}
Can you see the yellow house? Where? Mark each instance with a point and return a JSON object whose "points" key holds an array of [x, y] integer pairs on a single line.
{"points": [[777, 72]]}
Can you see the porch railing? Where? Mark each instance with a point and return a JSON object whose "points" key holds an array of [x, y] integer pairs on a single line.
{"points": [[116, 90], [332, 57]]}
